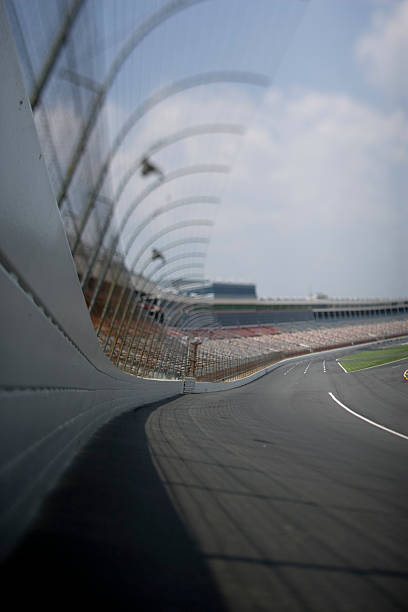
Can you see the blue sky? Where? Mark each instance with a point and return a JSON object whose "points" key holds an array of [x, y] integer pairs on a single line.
{"points": [[322, 53], [327, 211], [315, 199]]}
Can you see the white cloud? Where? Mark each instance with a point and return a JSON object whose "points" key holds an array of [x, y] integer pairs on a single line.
{"points": [[383, 51], [218, 105], [313, 202]]}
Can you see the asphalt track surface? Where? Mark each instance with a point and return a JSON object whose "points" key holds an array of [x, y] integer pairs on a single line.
{"points": [[268, 497]]}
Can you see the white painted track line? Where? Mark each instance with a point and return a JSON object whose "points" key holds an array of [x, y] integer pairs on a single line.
{"points": [[338, 362], [307, 367], [391, 431]]}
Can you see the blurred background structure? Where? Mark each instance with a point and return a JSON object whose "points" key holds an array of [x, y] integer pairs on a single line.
{"points": [[137, 110]]}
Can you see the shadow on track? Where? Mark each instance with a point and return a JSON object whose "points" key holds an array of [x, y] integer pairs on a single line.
{"points": [[109, 536]]}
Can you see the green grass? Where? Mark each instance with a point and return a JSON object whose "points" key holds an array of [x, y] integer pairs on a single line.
{"points": [[368, 359]]}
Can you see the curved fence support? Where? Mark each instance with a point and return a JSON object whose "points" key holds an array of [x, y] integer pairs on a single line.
{"points": [[55, 50], [134, 40], [182, 172], [198, 130], [159, 96]]}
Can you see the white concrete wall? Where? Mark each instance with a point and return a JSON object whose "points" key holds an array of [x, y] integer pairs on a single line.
{"points": [[56, 385]]}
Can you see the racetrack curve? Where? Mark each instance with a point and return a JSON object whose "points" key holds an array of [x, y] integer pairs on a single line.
{"points": [[267, 497]]}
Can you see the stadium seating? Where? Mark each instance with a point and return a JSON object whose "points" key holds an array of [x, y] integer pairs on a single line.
{"points": [[299, 337]]}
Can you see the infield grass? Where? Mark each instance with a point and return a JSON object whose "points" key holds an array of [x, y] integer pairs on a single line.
{"points": [[375, 357]]}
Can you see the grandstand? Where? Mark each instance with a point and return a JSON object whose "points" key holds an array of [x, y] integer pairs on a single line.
{"points": [[254, 327], [299, 338], [266, 312], [232, 326], [236, 304], [224, 290]]}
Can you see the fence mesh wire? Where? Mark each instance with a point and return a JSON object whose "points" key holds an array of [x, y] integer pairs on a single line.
{"points": [[140, 120]]}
